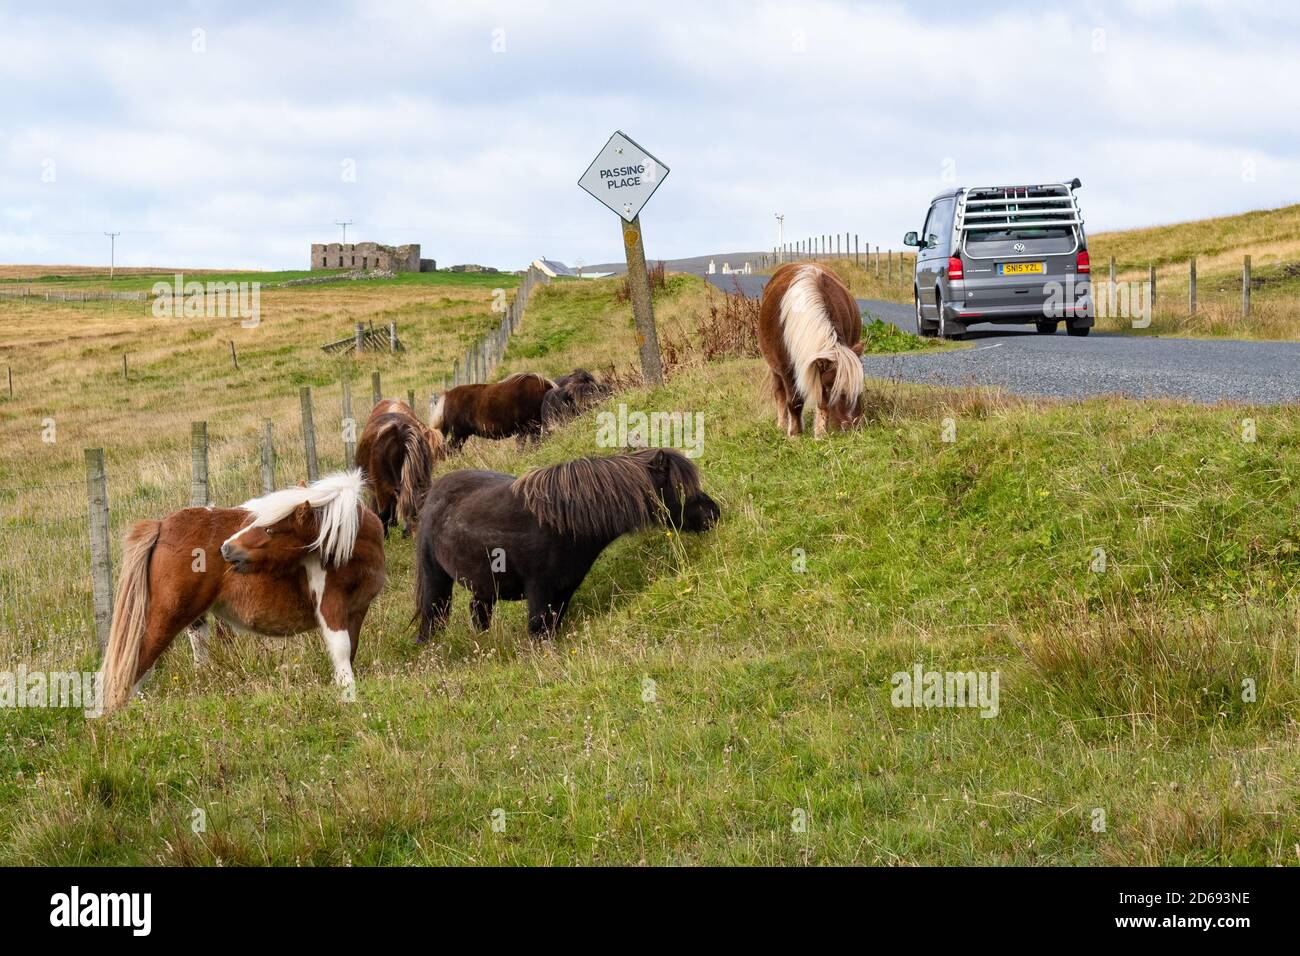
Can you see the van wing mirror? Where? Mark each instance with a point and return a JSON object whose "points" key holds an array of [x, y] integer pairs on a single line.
{"points": [[911, 239]]}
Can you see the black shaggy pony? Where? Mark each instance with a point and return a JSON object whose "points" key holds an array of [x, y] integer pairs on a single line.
{"points": [[536, 537], [573, 394]]}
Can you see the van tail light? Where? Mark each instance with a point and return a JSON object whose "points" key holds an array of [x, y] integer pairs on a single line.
{"points": [[1082, 263], [954, 267]]}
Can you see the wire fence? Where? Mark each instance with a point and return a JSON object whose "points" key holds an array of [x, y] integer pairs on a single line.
{"points": [[61, 540]]}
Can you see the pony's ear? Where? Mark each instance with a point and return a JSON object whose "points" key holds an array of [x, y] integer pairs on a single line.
{"points": [[302, 514], [856, 347], [661, 463]]}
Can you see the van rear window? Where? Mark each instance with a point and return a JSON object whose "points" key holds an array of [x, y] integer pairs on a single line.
{"points": [[1009, 235]]}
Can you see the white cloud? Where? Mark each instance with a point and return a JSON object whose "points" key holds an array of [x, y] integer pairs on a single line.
{"points": [[840, 115]]}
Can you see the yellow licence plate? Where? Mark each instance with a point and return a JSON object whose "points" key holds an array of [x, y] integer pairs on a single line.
{"points": [[1020, 268]]}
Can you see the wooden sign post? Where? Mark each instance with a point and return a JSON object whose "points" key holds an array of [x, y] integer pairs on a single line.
{"points": [[623, 177]]}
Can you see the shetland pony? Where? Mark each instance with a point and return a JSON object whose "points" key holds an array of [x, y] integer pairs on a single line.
{"points": [[810, 331], [397, 453], [512, 406], [573, 394], [536, 537], [291, 561]]}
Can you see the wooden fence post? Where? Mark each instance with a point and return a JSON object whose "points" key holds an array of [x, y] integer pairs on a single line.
{"points": [[877, 260], [1245, 287], [308, 433], [857, 260], [375, 389], [1151, 281], [359, 338], [1191, 285], [410, 398], [234, 356], [101, 567], [268, 458], [349, 427], [199, 494], [1110, 289], [392, 336]]}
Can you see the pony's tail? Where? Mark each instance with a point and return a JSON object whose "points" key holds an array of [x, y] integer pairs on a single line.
{"points": [[423, 449], [130, 610], [435, 418], [848, 382]]}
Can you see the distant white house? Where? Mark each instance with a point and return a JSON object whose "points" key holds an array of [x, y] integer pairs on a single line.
{"points": [[555, 269]]}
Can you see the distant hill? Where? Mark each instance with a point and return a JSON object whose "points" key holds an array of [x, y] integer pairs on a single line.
{"points": [[695, 265]]}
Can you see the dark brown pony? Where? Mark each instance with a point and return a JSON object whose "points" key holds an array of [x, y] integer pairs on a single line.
{"points": [[810, 332], [573, 394], [291, 561], [512, 406], [397, 453], [536, 537]]}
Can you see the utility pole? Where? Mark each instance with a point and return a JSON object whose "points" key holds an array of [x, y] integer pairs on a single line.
{"points": [[112, 253], [344, 223], [780, 235]]}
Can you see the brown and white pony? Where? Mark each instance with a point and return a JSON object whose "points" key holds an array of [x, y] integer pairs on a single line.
{"points": [[292, 561], [810, 332], [512, 406], [397, 452]]}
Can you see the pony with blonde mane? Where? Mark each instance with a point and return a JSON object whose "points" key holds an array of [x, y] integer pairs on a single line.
{"points": [[291, 561], [810, 333]]}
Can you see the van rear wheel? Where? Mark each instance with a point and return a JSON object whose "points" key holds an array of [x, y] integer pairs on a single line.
{"points": [[1077, 330], [922, 328], [946, 331]]}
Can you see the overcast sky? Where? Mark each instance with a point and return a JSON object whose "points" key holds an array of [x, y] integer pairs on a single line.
{"points": [[234, 134]]}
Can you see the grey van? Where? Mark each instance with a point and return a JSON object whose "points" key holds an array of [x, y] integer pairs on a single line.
{"points": [[1014, 254]]}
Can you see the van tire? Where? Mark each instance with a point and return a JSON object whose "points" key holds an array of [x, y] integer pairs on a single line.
{"points": [[944, 331], [922, 327], [1078, 331], [1045, 328]]}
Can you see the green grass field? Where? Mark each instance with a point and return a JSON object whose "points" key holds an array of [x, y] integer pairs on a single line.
{"points": [[1129, 569]]}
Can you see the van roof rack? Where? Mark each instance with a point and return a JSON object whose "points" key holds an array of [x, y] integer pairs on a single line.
{"points": [[1021, 207]]}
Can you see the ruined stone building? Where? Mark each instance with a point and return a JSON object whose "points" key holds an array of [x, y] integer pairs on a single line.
{"points": [[368, 256]]}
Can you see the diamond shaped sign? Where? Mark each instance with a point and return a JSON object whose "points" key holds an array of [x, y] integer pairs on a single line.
{"points": [[623, 176]]}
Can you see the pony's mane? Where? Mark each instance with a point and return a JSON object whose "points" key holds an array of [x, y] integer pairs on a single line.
{"points": [[337, 501], [809, 335], [518, 376], [603, 497]]}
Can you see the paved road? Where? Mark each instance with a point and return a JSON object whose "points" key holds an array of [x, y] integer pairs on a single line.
{"points": [[1026, 363]]}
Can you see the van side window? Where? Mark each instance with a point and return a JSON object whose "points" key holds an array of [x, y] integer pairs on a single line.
{"points": [[930, 221], [944, 212]]}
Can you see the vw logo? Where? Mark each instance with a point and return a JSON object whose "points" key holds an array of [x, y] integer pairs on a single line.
{"points": [[1018, 247]]}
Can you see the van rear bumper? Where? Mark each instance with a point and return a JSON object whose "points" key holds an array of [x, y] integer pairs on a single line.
{"points": [[1081, 315]]}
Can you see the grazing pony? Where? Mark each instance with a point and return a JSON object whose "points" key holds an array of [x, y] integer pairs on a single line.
{"points": [[573, 394], [512, 406], [810, 331], [288, 562], [536, 537], [397, 453]]}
